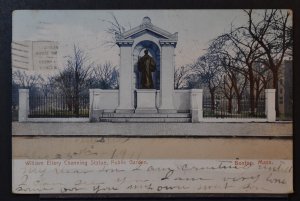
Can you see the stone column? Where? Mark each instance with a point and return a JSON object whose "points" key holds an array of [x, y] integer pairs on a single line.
{"points": [[23, 104], [125, 82], [196, 105], [167, 77], [270, 104]]}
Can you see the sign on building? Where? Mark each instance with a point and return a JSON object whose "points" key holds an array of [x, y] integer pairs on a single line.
{"points": [[35, 55], [44, 55]]}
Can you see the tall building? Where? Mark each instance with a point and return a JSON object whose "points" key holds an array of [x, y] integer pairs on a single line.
{"points": [[285, 88], [21, 55]]}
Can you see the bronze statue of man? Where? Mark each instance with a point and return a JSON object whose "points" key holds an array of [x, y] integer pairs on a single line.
{"points": [[146, 65]]}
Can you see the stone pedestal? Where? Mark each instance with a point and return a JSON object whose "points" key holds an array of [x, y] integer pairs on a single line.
{"points": [[23, 104], [270, 104], [196, 105], [146, 99]]}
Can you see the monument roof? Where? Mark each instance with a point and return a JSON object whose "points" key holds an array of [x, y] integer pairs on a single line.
{"points": [[147, 25]]}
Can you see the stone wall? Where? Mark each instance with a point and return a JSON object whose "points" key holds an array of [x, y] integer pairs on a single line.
{"points": [[107, 100]]}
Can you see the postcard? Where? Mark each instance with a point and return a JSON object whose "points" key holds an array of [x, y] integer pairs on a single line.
{"points": [[152, 101]]}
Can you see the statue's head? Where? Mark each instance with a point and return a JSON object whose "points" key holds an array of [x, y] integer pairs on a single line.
{"points": [[146, 51]]}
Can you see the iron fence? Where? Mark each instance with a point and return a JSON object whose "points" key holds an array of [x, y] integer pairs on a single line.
{"points": [[14, 103], [58, 106], [234, 107]]}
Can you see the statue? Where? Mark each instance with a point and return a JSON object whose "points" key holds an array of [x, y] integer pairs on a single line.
{"points": [[146, 65]]}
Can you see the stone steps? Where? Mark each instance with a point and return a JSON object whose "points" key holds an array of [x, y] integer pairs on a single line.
{"points": [[143, 115], [145, 118]]}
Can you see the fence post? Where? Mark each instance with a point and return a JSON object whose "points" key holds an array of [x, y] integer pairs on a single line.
{"points": [[91, 107], [270, 104], [23, 104], [196, 108]]}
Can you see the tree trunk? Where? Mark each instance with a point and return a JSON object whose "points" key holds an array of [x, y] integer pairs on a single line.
{"points": [[76, 106], [76, 97], [69, 104], [212, 100], [229, 105], [239, 104], [251, 88]]}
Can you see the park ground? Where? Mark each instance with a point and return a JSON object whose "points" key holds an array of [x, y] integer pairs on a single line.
{"points": [[153, 140]]}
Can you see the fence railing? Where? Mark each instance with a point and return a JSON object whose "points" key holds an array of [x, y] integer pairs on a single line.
{"points": [[58, 106], [202, 108], [234, 107]]}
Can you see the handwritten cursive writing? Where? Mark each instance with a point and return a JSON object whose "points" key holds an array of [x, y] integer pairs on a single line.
{"points": [[151, 176]]}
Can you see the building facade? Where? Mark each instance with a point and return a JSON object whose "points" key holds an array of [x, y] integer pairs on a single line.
{"points": [[285, 88], [35, 55]]}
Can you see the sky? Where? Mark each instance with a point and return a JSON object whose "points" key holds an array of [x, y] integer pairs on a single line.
{"points": [[86, 29]]}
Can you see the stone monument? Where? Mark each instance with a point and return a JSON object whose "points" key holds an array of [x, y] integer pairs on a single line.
{"points": [[160, 44], [146, 84]]}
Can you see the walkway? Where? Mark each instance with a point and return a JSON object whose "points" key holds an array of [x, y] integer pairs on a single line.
{"points": [[278, 129]]}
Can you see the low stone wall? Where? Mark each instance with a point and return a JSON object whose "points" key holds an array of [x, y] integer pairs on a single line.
{"points": [[181, 100], [107, 101], [102, 101]]}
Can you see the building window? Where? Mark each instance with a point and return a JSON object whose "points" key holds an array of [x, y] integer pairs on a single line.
{"points": [[280, 100], [281, 81]]}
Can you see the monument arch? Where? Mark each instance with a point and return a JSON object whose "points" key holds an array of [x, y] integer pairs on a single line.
{"points": [[147, 101], [161, 45]]}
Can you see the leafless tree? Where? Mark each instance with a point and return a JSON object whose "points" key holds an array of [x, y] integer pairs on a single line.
{"points": [[25, 80], [240, 52], [262, 78], [105, 76], [227, 89], [48, 86], [273, 33], [113, 30], [237, 80], [73, 80], [181, 77], [207, 70]]}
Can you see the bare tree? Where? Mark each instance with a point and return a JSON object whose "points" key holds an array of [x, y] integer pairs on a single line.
{"points": [[207, 69], [48, 86], [237, 80], [105, 76], [227, 89], [274, 35], [25, 80], [241, 52], [181, 77], [262, 78], [73, 80], [114, 30]]}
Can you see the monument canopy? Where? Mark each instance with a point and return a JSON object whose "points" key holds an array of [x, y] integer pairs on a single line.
{"points": [[147, 26]]}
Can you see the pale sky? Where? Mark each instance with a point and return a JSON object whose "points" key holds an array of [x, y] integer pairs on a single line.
{"points": [[86, 29]]}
